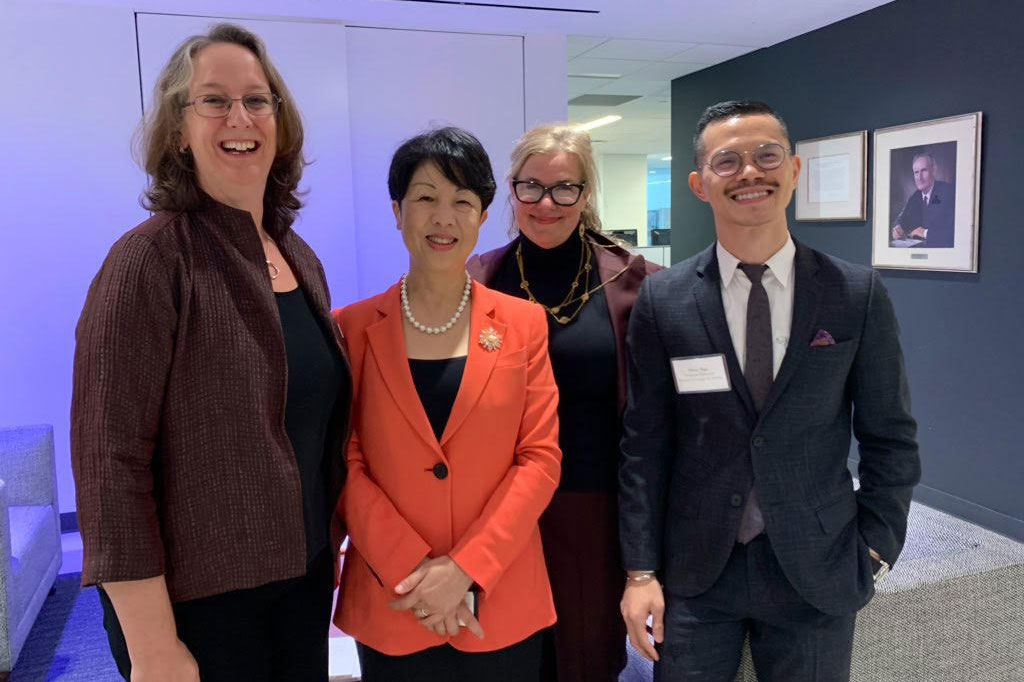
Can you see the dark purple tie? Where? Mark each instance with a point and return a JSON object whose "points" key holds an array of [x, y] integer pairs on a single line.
{"points": [[758, 372]]}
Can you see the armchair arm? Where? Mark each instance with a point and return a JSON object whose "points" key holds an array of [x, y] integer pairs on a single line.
{"points": [[5, 537], [27, 464]]}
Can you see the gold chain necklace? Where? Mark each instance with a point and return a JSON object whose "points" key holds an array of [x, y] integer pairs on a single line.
{"points": [[557, 312]]}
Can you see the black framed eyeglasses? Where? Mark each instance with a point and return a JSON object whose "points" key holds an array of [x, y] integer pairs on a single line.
{"points": [[563, 194], [219, 106], [729, 162]]}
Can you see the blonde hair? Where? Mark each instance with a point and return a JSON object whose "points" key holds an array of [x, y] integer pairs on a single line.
{"points": [[173, 183], [552, 138]]}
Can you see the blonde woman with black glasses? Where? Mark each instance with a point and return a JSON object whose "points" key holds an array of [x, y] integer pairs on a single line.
{"points": [[587, 284]]}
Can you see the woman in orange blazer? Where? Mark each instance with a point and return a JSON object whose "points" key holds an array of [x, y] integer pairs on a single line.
{"points": [[454, 453]]}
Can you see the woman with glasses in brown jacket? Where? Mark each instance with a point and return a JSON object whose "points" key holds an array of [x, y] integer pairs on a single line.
{"points": [[211, 392]]}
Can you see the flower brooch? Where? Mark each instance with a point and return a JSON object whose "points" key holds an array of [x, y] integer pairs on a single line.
{"points": [[490, 339]]}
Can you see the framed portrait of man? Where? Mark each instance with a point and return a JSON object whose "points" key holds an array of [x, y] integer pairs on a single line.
{"points": [[926, 181]]}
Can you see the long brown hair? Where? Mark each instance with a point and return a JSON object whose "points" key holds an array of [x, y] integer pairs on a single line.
{"points": [[173, 183]]}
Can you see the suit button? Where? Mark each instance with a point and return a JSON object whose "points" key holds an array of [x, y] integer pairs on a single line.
{"points": [[736, 500], [758, 441], [440, 471]]}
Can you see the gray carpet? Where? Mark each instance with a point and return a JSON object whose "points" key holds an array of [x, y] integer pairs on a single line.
{"points": [[952, 610], [67, 642]]}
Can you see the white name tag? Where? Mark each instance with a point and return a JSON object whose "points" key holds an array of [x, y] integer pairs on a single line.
{"points": [[701, 374]]}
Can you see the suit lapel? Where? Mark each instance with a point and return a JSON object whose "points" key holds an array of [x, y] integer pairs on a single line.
{"points": [[708, 292], [806, 297], [479, 362], [387, 343]]}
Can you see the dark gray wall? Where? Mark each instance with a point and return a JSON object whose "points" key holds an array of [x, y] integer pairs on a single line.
{"points": [[963, 334]]}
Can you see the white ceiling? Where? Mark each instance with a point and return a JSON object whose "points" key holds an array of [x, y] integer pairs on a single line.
{"points": [[646, 43], [646, 66]]}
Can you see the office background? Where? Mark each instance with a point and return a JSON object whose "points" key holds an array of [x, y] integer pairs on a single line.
{"points": [[903, 62], [75, 73]]}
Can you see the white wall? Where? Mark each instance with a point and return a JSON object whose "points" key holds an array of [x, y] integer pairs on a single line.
{"points": [[317, 76], [623, 198], [395, 96], [69, 188]]}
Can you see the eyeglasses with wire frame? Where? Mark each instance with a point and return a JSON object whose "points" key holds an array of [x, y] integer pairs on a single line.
{"points": [[219, 106], [563, 194], [728, 162]]}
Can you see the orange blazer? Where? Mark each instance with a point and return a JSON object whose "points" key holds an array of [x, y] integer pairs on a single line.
{"points": [[501, 456]]}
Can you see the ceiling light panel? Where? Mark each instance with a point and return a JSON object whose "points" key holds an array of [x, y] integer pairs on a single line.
{"points": [[623, 67]]}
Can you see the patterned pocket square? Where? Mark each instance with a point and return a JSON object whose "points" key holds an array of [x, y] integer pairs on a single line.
{"points": [[822, 338]]}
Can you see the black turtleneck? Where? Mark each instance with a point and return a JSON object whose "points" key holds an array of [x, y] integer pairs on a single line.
{"points": [[583, 360]]}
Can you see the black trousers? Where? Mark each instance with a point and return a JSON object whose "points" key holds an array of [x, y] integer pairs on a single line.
{"points": [[790, 640], [519, 662], [272, 633]]}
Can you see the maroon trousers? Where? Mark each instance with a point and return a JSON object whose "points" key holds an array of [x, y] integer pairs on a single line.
{"points": [[580, 531]]}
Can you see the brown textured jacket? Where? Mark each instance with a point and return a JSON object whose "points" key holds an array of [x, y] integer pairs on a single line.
{"points": [[181, 460]]}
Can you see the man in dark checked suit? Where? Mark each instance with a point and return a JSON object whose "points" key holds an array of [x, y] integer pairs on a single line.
{"points": [[748, 365]]}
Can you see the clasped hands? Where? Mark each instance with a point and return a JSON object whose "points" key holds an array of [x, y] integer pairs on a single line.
{"points": [[434, 593]]}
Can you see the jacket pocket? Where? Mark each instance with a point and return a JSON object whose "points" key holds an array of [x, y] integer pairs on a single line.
{"points": [[511, 358], [835, 515]]}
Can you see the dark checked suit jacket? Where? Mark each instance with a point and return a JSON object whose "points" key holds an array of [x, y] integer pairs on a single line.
{"points": [[690, 460]]}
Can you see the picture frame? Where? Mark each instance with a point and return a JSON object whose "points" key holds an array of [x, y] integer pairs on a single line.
{"points": [[833, 178], [927, 180]]}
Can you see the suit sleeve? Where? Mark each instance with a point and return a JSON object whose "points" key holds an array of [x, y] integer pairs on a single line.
{"points": [[510, 517], [387, 542], [124, 345], [647, 439], [886, 432]]}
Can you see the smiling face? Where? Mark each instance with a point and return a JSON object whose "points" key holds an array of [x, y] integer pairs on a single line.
{"points": [[232, 154], [546, 223], [752, 198], [924, 174], [440, 221]]}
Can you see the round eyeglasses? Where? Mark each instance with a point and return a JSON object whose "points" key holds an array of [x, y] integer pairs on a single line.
{"points": [[219, 106], [563, 194], [729, 162]]}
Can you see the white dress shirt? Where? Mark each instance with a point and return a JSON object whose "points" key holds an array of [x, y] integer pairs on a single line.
{"points": [[778, 284]]}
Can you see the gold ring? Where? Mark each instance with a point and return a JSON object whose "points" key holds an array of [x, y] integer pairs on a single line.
{"points": [[421, 613]]}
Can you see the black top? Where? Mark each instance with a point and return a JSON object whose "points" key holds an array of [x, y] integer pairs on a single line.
{"points": [[583, 360], [316, 380], [437, 383]]}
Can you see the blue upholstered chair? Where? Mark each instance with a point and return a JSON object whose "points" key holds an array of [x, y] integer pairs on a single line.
{"points": [[30, 553]]}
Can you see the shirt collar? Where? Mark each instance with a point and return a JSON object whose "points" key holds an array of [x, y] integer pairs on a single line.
{"points": [[780, 264]]}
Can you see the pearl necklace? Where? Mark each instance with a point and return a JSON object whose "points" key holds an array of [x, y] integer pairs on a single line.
{"points": [[447, 325]]}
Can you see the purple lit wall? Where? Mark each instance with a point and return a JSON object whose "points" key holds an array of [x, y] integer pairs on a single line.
{"points": [[69, 186]]}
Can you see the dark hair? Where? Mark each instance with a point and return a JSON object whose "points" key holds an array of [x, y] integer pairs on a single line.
{"points": [[458, 154], [173, 185], [730, 109]]}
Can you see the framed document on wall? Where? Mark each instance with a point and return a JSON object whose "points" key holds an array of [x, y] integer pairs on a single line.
{"points": [[927, 180], [832, 178]]}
